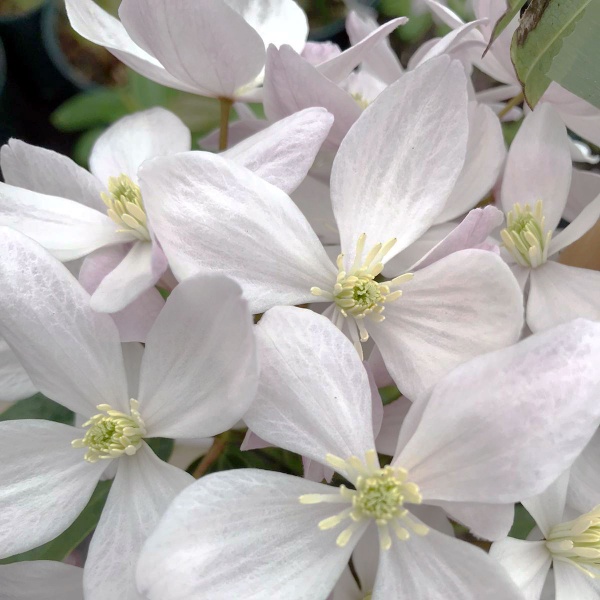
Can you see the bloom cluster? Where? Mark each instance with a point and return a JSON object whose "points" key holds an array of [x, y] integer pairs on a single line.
{"points": [[371, 232]]}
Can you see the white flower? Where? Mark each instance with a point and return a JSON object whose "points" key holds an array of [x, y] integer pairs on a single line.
{"points": [[534, 193], [197, 378], [41, 580], [496, 429]]}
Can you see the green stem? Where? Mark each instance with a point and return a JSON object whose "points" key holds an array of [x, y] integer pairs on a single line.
{"points": [[226, 104], [514, 102]]}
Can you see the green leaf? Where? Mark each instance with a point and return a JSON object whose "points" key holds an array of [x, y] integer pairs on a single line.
{"points": [[162, 447], [89, 109], [538, 40], [576, 66], [83, 146], [523, 523], [514, 6], [389, 394], [38, 407], [60, 547], [143, 93]]}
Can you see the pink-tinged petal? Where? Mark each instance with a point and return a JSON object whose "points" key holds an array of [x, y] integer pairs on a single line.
{"points": [[67, 229], [581, 152], [470, 233], [527, 564], [559, 293], [41, 580], [444, 14], [571, 583], [199, 373], [584, 483], [238, 132], [439, 566], [393, 417], [255, 520], [141, 492], [135, 275], [588, 127], [291, 84], [14, 381], [486, 153], [71, 353], [369, 47], [270, 249], [539, 166], [314, 396], [283, 153], [207, 45], [488, 521], [548, 507], [388, 189], [453, 310], [522, 433], [44, 483], [585, 187], [47, 172], [126, 144], [136, 319], [316, 53]]}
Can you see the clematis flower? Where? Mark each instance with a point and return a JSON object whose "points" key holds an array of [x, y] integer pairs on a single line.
{"points": [[570, 545], [198, 376], [385, 194], [534, 193], [41, 580], [469, 442]]}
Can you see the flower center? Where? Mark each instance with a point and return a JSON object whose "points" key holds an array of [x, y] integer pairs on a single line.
{"points": [[578, 542], [125, 206], [356, 293], [113, 433], [360, 100], [525, 236], [380, 495]]}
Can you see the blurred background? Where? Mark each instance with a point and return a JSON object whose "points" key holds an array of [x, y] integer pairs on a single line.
{"points": [[59, 91]]}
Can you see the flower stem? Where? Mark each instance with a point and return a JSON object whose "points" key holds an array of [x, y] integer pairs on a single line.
{"points": [[514, 102], [226, 104], [211, 456]]}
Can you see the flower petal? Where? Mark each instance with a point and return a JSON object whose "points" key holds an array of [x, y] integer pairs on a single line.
{"points": [[270, 248], [498, 429], [199, 372], [548, 507], [488, 521], [243, 534], [283, 153], [71, 353], [126, 144], [44, 483], [559, 293], [47, 172], [14, 381], [314, 396], [141, 492], [431, 329], [41, 580], [584, 483], [585, 186], [539, 165], [387, 190], [572, 583]]}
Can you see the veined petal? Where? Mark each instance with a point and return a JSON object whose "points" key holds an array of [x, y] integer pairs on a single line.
{"points": [[498, 428], [269, 249], [126, 144], [71, 353], [44, 483], [14, 381], [199, 373], [314, 396], [255, 520], [572, 583], [41, 580], [388, 189]]}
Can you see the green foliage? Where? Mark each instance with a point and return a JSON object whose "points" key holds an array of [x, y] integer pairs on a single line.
{"points": [[162, 447], [523, 523], [514, 6], [389, 394], [38, 407]]}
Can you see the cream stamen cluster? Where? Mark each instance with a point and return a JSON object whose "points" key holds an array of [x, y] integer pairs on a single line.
{"points": [[380, 495], [360, 100], [577, 542], [525, 236], [112, 434], [125, 206]]}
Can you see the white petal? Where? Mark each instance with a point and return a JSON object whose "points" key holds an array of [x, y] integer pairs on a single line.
{"points": [[527, 563], [580, 225], [538, 166], [581, 152], [314, 396], [44, 483], [67, 229], [41, 580], [283, 153], [498, 429], [453, 310], [269, 247], [126, 144], [560, 293], [292, 84], [439, 566], [14, 381], [204, 44], [199, 372], [141, 492], [488, 521], [585, 186], [50, 173], [572, 584], [584, 483], [71, 353], [390, 189], [548, 507], [486, 153], [393, 417], [243, 534]]}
